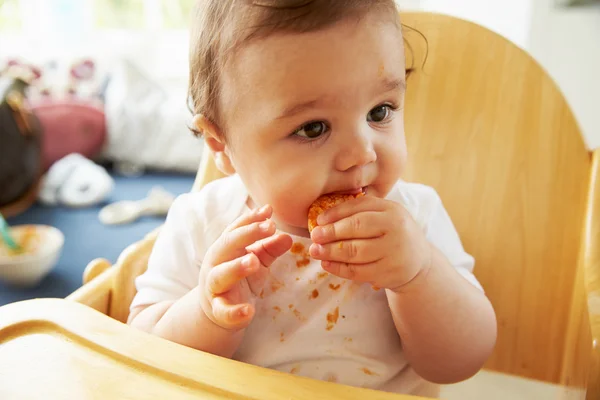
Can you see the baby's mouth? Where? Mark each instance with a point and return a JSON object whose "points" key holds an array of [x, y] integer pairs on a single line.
{"points": [[354, 192]]}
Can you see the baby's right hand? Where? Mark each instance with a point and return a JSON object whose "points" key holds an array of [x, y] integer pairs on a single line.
{"points": [[235, 267]]}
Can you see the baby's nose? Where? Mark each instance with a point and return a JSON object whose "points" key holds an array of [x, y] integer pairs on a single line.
{"points": [[356, 150]]}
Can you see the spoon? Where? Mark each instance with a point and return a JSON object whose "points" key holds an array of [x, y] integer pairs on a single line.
{"points": [[7, 236]]}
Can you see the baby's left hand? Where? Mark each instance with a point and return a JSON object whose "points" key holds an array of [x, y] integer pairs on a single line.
{"points": [[372, 240]]}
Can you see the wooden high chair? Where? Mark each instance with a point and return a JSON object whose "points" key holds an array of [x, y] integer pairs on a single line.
{"points": [[488, 128]]}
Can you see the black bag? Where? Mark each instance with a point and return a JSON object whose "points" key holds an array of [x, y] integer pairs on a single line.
{"points": [[20, 143]]}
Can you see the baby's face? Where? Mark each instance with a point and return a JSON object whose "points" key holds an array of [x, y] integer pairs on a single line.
{"points": [[315, 113]]}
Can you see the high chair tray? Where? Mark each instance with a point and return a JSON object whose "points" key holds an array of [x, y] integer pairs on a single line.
{"points": [[58, 349]]}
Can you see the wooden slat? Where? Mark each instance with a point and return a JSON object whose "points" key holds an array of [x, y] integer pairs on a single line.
{"points": [[96, 293], [488, 128], [591, 263]]}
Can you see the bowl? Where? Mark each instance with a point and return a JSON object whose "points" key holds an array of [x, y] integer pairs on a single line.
{"points": [[42, 247]]}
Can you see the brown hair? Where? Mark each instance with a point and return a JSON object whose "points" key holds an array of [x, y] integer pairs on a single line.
{"points": [[220, 26]]}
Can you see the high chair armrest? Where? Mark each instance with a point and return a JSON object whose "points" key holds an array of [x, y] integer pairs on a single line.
{"points": [[98, 279], [95, 268], [58, 349]]}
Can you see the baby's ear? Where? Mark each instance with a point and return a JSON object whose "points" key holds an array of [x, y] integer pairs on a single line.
{"points": [[214, 139]]}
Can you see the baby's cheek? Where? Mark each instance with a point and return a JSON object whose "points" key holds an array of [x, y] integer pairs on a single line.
{"points": [[292, 208], [392, 163]]}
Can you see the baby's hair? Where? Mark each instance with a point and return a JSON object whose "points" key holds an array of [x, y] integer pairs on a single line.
{"points": [[219, 27]]}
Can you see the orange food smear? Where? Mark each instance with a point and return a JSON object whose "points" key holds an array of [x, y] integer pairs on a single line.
{"points": [[332, 318]]}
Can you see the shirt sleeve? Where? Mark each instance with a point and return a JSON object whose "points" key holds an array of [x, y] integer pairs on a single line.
{"points": [[174, 264], [441, 232]]}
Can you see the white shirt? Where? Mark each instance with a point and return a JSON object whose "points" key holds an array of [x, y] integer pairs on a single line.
{"points": [[308, 322]]}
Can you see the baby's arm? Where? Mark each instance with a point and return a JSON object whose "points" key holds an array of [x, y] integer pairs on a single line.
{"points": [[212, 317], [184, 322], [446, 324]]}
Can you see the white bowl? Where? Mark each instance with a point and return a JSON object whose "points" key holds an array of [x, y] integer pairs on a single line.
{"points": [[27, 269]]}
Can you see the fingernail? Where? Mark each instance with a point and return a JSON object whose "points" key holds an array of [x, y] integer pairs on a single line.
{"points": [[317, 233], [244, 311], [318, 249], [263, 209], [321, 219], [265, 226]]}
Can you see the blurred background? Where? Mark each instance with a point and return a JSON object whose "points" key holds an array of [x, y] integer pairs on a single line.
{"points": [[563, 35], [107, 80]]}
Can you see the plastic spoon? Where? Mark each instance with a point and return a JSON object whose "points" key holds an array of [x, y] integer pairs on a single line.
{"points": [[7, 236]]}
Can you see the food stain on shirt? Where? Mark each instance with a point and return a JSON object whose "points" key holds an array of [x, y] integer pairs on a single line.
{"points": [[299, 315], [314, 294], [322, 275], [348, 339], [295, 369], [302, 262], [367, 371], [332, 318], [297, 248], [332, 378], [276, 285], [335, 288], [276, 308], [302, 256], [282, 337]]}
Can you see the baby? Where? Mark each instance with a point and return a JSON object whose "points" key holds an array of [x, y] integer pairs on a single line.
{"points": [[297, 99]]}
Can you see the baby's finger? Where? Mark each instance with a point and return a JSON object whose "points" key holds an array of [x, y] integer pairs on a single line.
{"points": [[353, 272], [233, 244], [350, 207], [231, 316], [256, 281], [357, 251], [256, 215], [269, 249], [225, 276], [362, 225]]}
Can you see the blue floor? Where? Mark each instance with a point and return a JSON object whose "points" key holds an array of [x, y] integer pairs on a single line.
{"points": [[87, 238]]}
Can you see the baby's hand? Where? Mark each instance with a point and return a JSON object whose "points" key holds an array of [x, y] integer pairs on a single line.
{"points": [[235, 268], [371, 240]]}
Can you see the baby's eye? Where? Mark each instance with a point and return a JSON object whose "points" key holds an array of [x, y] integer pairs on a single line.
{"points": [[312, 130], [380, 113]]}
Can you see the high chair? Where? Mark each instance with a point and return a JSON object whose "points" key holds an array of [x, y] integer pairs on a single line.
{"points": [[490, 131]]}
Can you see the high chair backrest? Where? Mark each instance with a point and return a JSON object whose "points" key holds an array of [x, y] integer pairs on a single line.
{"points": [[489, 130]]}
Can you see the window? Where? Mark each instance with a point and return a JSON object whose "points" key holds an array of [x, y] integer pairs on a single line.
{"points": [[10, 15], [103, 14], [118, 14]]}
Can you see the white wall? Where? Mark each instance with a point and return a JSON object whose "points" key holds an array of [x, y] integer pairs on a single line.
{"points": [[510, 18], [567, 44]]}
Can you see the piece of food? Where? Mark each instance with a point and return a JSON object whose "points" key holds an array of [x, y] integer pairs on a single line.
{"points": [[324, 203]]}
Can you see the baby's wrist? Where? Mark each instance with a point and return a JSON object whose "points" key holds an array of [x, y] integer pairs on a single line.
{"points": [[418, 280], [213, 323]]}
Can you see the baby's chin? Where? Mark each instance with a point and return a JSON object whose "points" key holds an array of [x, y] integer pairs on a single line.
{"points": [[293, 227]]}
